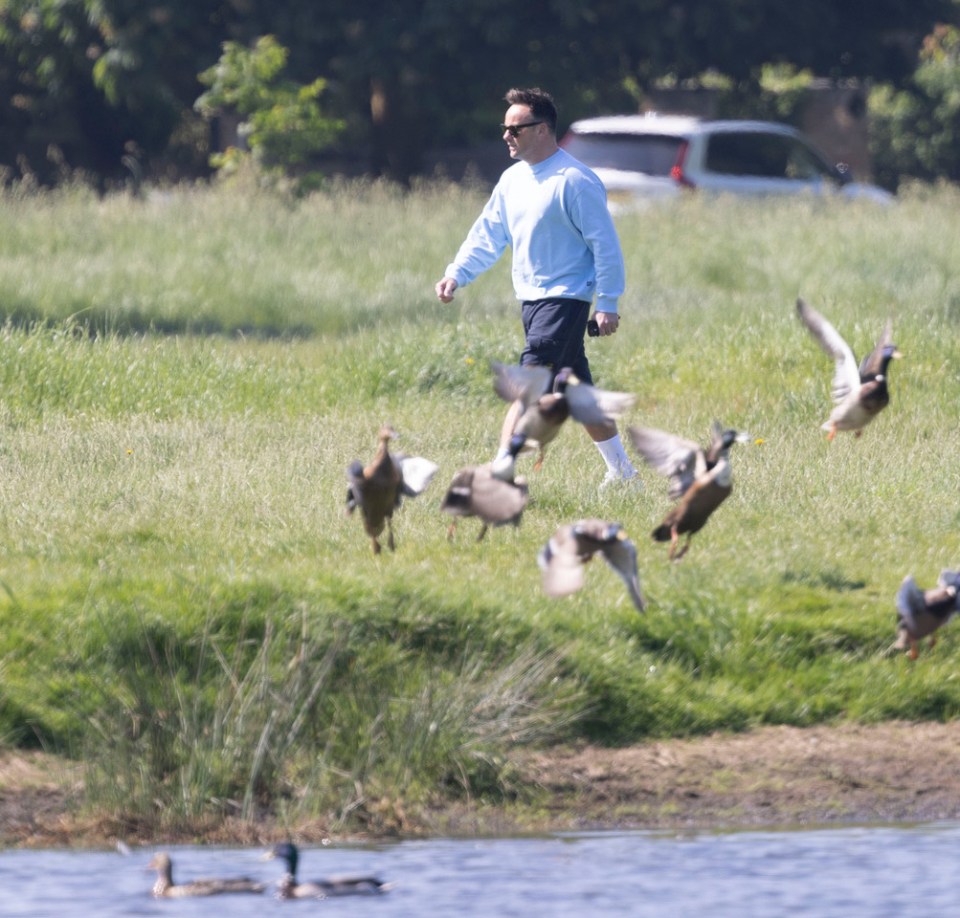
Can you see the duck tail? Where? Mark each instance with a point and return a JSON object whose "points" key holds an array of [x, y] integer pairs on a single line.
{"points": [[456, 499], [661, 533]]}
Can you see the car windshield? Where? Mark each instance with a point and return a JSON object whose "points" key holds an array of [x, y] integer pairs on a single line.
{"points": [[649, 153]]}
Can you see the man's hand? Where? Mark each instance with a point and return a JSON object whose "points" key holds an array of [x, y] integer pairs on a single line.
{"points": [[445, 287], [607, 322]]}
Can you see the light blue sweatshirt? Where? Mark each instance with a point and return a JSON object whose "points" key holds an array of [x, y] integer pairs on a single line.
{"points": [[554, 216]]}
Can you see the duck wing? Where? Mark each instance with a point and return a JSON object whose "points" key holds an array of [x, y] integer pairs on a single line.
{"points": [[846, 373], [678, 459], [621, 554], [872, 364], [526, 384], [354, 885], [216, 886], [910, 604], [590, 405], [415, 474], [354, 485]]}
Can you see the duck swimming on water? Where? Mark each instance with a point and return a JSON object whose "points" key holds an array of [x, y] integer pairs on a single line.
{"points": [[166, 888], [291, 888]]}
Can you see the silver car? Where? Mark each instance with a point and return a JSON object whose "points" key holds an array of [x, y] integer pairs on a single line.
{"points": [[639, 157]]}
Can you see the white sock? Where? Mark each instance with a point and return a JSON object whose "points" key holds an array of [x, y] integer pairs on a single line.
{"points": [[616, 457], [502, 453]]}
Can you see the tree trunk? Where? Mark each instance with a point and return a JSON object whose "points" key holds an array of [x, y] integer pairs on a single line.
{"points": [[396, 137]]}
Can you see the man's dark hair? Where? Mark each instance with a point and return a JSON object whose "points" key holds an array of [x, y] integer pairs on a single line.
{"points": [[540, 103]]}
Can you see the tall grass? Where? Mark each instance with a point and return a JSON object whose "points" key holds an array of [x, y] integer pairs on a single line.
{"points": [[186, 606]]}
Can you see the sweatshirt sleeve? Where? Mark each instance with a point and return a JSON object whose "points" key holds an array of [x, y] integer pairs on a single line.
{"points": [[600, 234], [485, 243]]}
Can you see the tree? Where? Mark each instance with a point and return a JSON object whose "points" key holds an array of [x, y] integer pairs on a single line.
{"points": [[284, 127], [49, 105], [917, 129], [406, 76]]}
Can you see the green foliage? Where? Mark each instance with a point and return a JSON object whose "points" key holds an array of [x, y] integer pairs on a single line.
{"points": [[285, 127], [111, 84], [916, 130], [775, 92], [188, 609]]}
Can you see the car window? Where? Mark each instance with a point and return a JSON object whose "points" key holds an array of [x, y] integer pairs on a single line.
{"points": [[649, 153], [803, 163], [763, 155]]}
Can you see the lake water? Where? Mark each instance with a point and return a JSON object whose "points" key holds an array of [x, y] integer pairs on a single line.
{"points": [[851, 872]]}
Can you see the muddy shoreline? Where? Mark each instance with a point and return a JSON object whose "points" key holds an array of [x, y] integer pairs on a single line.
{"points": [[771, 777]]}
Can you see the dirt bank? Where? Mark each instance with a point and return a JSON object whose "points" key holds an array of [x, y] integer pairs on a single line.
{"points": [[773, 776]]}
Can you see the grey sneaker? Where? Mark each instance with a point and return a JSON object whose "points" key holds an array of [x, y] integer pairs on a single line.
{"points": [[615, 479]]}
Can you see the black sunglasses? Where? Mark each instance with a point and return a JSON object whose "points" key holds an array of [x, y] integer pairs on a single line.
{"points": [[514, 129]]}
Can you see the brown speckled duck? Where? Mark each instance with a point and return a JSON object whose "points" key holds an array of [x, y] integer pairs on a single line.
{"points": [[491, 492], [166, 888], [545, 409], [564, 558], [921, 612], [291, 888], [700, 479], [860, 393], [378, 488]]}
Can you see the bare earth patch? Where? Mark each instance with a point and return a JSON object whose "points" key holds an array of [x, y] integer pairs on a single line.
{"points": [[890, 772], [774, 776]]}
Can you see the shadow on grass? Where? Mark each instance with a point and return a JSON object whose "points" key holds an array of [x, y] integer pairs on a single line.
{"points": [[95, 323], [830, 579]]}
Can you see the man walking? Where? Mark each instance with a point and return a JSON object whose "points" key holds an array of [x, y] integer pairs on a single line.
{"points": [[552, 212]]}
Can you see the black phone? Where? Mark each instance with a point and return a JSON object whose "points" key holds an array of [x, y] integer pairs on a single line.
{"points": [[593, 330]]}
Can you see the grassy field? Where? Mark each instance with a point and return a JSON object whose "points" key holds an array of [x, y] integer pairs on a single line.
{"points": [[187, 610]]}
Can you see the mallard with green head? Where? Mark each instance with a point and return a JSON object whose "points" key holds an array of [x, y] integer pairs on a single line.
{"points": [[548, 400], [290, 887], [700, 478], [861, 392]]}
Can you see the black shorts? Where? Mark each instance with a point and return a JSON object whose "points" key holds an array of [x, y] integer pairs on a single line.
{"points": [[554, 330]]}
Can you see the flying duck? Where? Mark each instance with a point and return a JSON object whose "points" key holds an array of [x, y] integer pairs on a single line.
{"points": [[290, 888], [860, 393], [564, 558], [491, 492], [378, 488], [166, 888], [545, 408], [700, 479], [921, 612]]}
